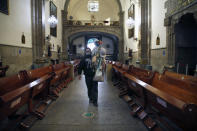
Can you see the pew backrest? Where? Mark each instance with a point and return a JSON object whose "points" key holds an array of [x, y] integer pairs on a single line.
{"points": [[174, 88], [10, 83], [142, 74], [125, 67], [181, 76], [38, 73]]}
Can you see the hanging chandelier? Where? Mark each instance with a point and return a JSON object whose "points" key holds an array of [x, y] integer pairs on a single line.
{"points": [[130, 22], [52, 21]]}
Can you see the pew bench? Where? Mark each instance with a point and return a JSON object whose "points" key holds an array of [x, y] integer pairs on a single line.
{"points": [[182, 111], [61, 78], [75, 64], [11, 83], [11, 101], [138, 91], [183, 77], [142, 74]]}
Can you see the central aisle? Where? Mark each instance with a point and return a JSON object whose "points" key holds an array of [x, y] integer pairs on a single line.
{"points": [[65, 114]]}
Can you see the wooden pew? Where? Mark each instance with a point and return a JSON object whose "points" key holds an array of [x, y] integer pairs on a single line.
{"points": [[14, 99], [11, 83], [142, 74], [3, 71], [67, 75], [44, 73], [139, 91], [76, 66], [37, 73], [181, 91], [21, 89], [58, 69], [183, 77], [117, 70], [61, 71], [169, 100]]}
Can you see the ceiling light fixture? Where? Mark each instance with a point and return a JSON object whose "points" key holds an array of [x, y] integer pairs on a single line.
{"points": [[52, 21]]}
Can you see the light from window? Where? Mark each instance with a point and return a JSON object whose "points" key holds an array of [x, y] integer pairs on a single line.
{"points": [[91, 43], [93, 6]]}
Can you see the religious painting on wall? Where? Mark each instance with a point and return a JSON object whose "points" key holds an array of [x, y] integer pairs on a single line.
{"points": [[131, 32], [131, 14], [4, 6], [53, 11]]}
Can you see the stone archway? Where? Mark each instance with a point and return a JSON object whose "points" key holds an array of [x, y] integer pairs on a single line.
{"points": [[71, 30], [185, 43], [171, 20], [114, 30], [79, 41]]}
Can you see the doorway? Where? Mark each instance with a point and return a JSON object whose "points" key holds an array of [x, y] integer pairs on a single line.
{"points": [[186, 44]]}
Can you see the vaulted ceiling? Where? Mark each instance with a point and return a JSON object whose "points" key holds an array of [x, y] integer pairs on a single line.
{"points": [[107, 9]]}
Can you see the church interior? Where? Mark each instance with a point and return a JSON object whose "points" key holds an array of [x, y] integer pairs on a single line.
{"points": [[145, 62]]}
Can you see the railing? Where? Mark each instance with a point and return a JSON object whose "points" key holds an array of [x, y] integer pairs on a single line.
{"points": [[91, 23]]}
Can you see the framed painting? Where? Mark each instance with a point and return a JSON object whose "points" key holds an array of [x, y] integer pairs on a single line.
{"points": [[131, 32], [4, 6], [53, 11]]}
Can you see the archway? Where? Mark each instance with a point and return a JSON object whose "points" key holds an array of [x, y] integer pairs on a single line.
{"points": [[186, 44], [73, 29], [79, 41]]}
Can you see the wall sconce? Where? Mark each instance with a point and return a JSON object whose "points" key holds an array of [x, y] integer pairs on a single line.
{"points": [[48, 38], [158, 40], [23, 38]]}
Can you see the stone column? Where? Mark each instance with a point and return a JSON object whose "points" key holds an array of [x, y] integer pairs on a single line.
{"points": [[38, 27], [64, 16], [121, 40], [65, 46], [144, 33], [169, 23]]}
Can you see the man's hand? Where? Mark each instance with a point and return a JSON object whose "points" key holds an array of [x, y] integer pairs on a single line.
{"points": [[79, 77]]}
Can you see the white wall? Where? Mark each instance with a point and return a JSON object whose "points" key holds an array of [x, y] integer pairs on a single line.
{"points": [[158, 15], [54, 40], [18, 21], [130, 42]]}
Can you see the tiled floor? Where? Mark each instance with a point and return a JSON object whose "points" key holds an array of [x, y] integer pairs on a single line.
{"points": [[65, 114]]}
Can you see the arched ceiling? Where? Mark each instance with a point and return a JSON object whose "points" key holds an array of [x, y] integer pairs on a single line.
{"points": [[107, 9]]}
